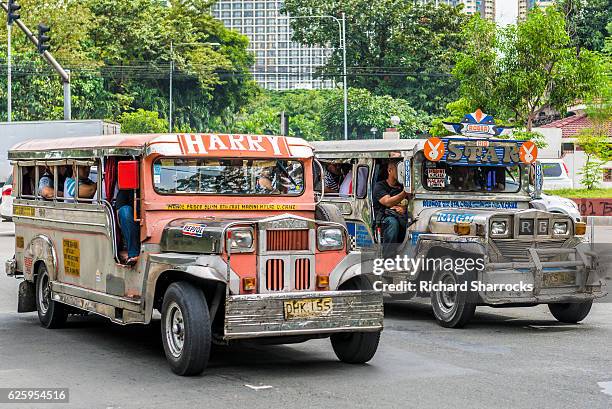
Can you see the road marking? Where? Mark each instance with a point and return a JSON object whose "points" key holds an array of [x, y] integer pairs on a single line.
{"points": [[606, 387], [257, 388]]}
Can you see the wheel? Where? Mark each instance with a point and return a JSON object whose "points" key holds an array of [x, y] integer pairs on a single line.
{"points": [[570, 313], [355, 347], [452, 308], [186, 329], [329, 213], [50, 313]]}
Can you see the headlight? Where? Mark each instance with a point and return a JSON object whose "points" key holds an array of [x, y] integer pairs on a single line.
{"points": [[499, 228], [240, 239], [560, 228], [330, 238]]}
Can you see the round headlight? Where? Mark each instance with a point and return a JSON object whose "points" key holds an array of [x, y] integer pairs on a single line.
{"points": [[330, 238], [241, 239], [499, 228], [560, 228]]}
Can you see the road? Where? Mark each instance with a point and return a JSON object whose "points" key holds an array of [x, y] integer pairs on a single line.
{"points": [[509, 358]]}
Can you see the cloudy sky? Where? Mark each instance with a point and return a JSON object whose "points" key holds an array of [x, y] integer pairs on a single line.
{"points": [[507, 11]]}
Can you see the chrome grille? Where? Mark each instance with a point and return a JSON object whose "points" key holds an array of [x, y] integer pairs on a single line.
{"points": [[286, 240], [275, 274], [302, 274], [517, 250]]}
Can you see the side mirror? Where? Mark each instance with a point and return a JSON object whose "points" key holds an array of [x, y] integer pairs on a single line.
{"points": [[128, 175], [404, 174]]}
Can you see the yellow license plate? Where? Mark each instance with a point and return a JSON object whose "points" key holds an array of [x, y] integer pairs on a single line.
{"points": [[558, 279], [307, 308]]}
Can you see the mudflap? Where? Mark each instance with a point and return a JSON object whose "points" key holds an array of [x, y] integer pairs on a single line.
{"points": [[27, 297]]}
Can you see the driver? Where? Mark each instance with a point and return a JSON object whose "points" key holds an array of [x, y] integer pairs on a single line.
{"points": [[390, 209]]}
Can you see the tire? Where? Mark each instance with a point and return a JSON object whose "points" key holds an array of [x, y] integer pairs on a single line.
{"points": [[452, 309], [50, 313], [186, 329], [329, 213], [570, 313], [355, 347]]}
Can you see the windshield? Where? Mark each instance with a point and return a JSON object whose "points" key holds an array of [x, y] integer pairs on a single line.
{"points": [[228, 176], [440, 176]]}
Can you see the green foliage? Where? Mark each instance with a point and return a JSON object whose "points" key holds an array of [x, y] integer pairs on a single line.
{"points": [[367, 111], [142, 121], [582, 193], [586, 22], [119, 53], [516, 71], [394, 47], [457, 110], [591, 173]]}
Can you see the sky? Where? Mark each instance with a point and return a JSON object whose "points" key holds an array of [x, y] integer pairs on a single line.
{"points": [[506, 11]]}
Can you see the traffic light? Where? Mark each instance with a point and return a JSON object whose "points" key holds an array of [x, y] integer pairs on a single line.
{"points": [[12, 15], [43, 38]]}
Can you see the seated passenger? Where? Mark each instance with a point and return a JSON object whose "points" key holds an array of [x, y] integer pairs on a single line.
{"points": [[45, 184], [346, 187], [124, 204], [390, 210], [87, 187], [332, 177]]}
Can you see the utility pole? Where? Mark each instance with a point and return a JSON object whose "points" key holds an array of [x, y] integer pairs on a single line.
{"points": [[11, 16], [64, 75], [170, 92], [344, 76]]}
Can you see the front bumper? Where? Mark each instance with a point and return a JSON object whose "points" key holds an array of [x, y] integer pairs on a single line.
{"points": [[262, 315], [534, 281]]}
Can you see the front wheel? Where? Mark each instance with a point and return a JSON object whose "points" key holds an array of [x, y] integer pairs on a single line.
{"points": [[50, 313], [186, 329], [451, 306], [356, 347], [571, 313]]}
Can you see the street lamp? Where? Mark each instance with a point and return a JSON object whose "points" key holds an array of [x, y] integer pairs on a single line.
{"points": [[342, 32], [172, 78], [374, 130]]}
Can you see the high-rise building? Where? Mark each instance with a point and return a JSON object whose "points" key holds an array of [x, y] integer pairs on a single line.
{"points": [[486, 8], [280, 64], [525, 5]]}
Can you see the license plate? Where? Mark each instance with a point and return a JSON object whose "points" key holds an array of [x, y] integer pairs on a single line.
{"points": [[307, 308], [558, 279]]}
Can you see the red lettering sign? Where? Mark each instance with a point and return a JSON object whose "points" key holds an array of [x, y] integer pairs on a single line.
{"points": [[233, 145]]}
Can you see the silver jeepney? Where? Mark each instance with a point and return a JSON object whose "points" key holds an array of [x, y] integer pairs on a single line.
{"points": [[536, 266]]}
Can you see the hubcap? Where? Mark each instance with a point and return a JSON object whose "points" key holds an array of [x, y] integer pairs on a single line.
{"points": [[44, 294], [175, 330], [447, 296]]}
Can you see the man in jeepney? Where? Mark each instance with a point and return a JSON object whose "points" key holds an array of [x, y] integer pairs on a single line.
{"points": [[390, 209]]}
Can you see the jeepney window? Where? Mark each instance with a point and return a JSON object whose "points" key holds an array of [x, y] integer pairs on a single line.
{"points": [[440, 176], [228, 176], [363, 173], [26, 181], [81, 183]]}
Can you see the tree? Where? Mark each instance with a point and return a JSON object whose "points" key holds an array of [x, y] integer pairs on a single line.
{"points": [[516, 71], [586, 22], [142, 121], [394, 47], [368, 111]]}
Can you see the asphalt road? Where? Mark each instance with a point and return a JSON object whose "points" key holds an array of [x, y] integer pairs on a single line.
{"points": [[509, 358]]}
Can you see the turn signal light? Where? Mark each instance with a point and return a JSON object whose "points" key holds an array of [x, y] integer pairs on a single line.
{"points": [[580, 228], [248, 283], [463, 228], [322, 281]]}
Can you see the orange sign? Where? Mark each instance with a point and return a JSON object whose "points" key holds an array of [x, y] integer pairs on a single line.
{"points": [[528, 152], [233, 145], [434, 149]]}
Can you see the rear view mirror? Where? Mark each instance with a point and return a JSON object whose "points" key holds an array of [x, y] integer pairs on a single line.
{"points": [[128, 175]]}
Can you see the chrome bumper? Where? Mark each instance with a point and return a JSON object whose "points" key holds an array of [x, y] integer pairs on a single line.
{"points": [[10, 267], [262, 315], [588, 283]]}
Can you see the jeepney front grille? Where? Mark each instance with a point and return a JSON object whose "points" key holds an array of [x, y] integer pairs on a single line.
{"points": [[518, 250], [302, 274], [275, 274], [287, 240]]}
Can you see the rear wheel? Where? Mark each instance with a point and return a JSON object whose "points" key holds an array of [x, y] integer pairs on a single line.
{"points": [[570, 313], [50, 313], [356, 347], [452, 307], [186, 329]]}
